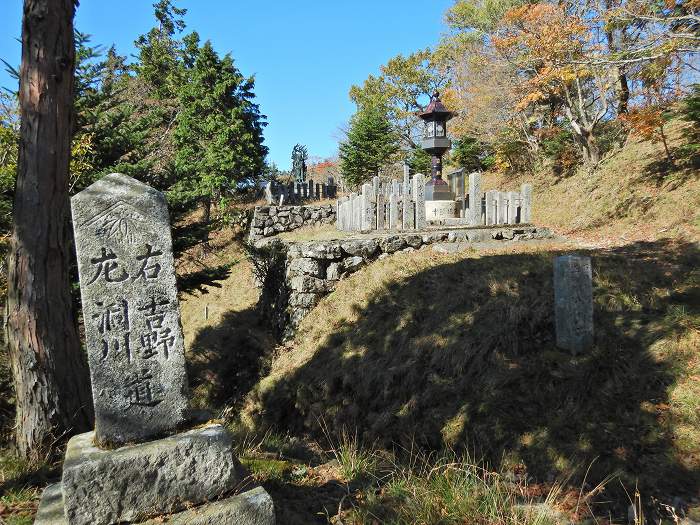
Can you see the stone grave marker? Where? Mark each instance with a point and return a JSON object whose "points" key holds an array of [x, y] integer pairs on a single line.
{"points": [[475, 199], [573, 302], [268, 193], [419, 198], [132, 320], [526, 203], [513, 207]]}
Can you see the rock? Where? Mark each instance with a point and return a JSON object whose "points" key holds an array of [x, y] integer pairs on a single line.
{"points": [[383, 256], [320, 250], [253, 507], [333, 271], [364, 248], [307, 266], [306, 283], [305, 300], [392, 244], [138, 481], [351, 264], [414, 240]]}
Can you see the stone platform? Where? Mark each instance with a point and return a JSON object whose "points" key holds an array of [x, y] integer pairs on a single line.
{"points": [[133, 483], [253, 507]]}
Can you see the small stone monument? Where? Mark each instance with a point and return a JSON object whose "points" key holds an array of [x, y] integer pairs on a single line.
{"points": [[268, 193], [121, 473], [573, 302]]}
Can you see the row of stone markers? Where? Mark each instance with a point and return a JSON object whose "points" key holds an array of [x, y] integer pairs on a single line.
{"points": [[147, 458], [493, 207], [280, 193], [385, 206]]}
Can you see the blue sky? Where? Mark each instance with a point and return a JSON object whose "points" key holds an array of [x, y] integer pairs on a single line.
{"points": [[304, 54]]}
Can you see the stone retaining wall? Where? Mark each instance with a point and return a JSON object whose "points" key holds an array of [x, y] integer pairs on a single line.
{"points": [[271, 220], [312, 269]]}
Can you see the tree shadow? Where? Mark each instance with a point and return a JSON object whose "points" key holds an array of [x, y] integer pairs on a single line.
{"points": [[463, 355], [226, 360], [199, 281], [684, 166]]}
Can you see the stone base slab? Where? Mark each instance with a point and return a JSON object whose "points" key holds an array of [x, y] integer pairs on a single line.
{"points": [[134, 482], [253, 507]]}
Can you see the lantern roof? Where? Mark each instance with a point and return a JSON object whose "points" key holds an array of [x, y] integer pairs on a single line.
{"points": [[436, 109]]}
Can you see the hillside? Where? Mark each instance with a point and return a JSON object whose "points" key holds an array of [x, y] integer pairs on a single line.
{"points": [[427, 352]]}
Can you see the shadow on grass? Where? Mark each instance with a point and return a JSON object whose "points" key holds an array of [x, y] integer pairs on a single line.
{"points": [[682, 168], [463, 355], [226, 360], [199, 281]]}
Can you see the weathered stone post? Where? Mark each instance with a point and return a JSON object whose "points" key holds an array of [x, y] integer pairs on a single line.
{"points": [[491, 207], [407, 210], [475, 199], [393, 210], [419, 200], [132, 320], [375, 184], [501, 217], [513, 198], [268, 193], [573, 302], [526, 203], [380, 212]]}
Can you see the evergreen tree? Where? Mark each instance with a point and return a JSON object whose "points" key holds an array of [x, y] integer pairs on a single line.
{"points": [[471, 154], [218, 134], [159, 51], [371, 144]]}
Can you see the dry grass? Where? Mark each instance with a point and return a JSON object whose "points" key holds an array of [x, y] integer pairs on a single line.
{"points": [[632, 195], [459, 351]]}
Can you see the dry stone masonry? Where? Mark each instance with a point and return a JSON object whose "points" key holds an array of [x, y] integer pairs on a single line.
{"points": [[137, 367], [311, 270], [271, 220]]}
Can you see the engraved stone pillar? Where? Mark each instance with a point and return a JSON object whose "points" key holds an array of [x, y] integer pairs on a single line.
{"points": [[132, 318], [419, 200], [376, 185], [380, 212], [491, 207], [526, 203], [318, 191], [393, 211], [324, 193], [513, 198], [407, 211], [475, 199], [366, 207], [409, 214], [573, 302], [501, 216]]}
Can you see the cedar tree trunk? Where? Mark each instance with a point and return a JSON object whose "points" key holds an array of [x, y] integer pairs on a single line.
{"points": [[50, 374]]}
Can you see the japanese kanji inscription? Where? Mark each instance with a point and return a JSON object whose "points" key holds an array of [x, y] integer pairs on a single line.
{"points": [[132, 319]]}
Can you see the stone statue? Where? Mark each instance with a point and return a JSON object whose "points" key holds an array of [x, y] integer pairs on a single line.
{"points": [[299, 156]]}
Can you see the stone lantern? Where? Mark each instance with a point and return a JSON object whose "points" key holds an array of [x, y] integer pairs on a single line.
{"points": [[436, 143]]}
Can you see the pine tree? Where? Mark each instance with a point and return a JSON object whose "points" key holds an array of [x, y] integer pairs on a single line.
{"points": [[371, 144]]}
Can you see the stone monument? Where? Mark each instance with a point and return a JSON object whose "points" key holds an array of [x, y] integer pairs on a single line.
{"points": [[573, 302], [141, 461]]}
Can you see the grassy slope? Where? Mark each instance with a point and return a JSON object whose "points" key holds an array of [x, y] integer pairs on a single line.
{"points": [[458, 350], [633, 195]]}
